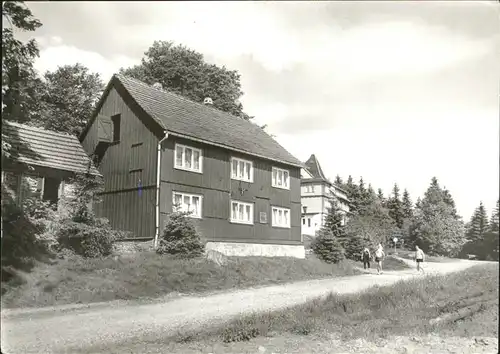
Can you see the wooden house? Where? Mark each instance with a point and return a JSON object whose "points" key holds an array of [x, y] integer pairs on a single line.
{"points": [[41, 162], [159, 152], [317, 192]]}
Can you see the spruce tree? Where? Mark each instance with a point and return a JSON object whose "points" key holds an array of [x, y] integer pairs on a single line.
{"points": [[494, 221], [448, 199], [352, 192], [478, 225], [326, 245], [395, 206], [365, 197], [338, 181], [380, 195], [434, 227], [407, 205], [418, 203]]}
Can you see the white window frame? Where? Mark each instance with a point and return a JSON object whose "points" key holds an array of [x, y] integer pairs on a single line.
{"points": [[182, 167], [190, 195], [275, 185], [309, 188], [237, 177], [274, 222], [244, 204]]}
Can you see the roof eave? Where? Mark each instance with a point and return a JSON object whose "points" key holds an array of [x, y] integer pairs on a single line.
{"points": [[180, 135]]}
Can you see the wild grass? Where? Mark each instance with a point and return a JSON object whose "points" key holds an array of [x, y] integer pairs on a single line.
{"points": [[148, 275], [401, 309]]}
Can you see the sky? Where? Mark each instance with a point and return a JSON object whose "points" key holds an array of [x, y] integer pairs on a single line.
{"points": [[395, 92]]}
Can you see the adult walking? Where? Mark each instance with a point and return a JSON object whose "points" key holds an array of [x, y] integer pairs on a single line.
{"points": [[379, 257], [366, 258], [419, 258]]}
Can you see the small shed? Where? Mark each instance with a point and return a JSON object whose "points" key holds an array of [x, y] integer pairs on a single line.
{"points": [[40, 161]]}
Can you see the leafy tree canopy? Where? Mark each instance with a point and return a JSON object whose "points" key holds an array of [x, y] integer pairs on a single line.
{"points": [[184, 71]]}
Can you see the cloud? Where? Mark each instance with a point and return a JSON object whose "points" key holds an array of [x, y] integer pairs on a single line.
{"points": [[393, 92], [54, 56]]}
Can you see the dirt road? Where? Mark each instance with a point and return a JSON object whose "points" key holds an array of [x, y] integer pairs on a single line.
{"points": [[66, 330]]}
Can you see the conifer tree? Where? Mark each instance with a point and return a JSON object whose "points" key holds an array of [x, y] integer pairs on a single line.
{"points": [[435, 228], [478, 225], [494, 221], [380, 195], [327, 245], [449, 200], [395, 206], [407, 205]]}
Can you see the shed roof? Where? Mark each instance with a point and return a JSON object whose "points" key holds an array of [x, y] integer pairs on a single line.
{"points": [[179, 115], [45, 148]]}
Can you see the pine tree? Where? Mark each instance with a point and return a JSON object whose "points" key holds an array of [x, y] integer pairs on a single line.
{"points": [[338, 181], [395, 206]]}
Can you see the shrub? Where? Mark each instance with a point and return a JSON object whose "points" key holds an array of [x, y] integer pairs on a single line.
{"points": [[180, 237], [89, 241], [327, 247]]}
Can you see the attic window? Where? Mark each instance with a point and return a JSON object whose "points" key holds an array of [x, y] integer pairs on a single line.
{"points": [[116, 127]]}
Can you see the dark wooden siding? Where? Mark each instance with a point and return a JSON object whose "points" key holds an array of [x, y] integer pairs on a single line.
{"points": [[131, 211], [217, 188], [135, 138], [125, 166]]}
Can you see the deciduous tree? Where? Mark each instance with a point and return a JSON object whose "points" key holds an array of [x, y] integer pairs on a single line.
{"points": [[70, 94], [185, 72]]}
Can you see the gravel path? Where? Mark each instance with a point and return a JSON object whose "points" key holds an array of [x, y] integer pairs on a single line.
{"points": [[66, 330]]}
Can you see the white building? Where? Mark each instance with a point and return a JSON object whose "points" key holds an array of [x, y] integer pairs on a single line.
{"points": [[316, 193]]}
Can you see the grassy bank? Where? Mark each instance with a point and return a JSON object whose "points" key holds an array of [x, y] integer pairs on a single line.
{"points": [[401, 309], [148, 275]]}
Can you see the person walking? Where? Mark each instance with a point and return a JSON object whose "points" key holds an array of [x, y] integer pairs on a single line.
{"points": [[419, 258], [366, 258], [379, 256]]}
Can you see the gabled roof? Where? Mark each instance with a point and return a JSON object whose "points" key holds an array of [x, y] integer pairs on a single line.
{"points": [[44, 148], [182, 117], [314, 168]]}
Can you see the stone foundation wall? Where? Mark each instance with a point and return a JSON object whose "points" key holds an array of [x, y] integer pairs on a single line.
{"points": [[123, 247], [256, 249]]}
